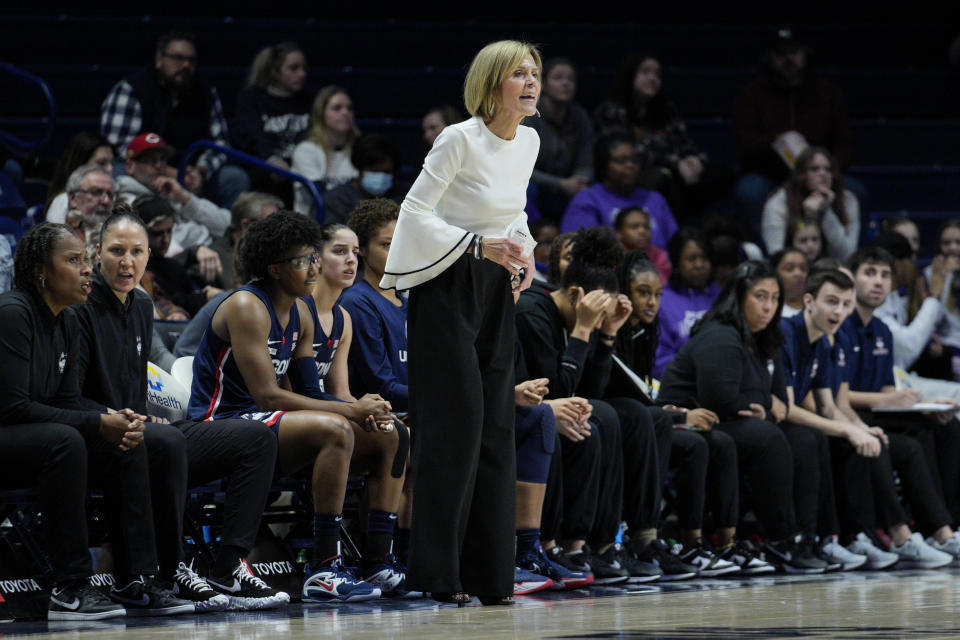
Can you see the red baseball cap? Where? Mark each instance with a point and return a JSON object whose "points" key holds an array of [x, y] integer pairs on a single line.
{"points": [[147, 142]]}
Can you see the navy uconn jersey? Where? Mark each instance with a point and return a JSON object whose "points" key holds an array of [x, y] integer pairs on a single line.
{"points": [[324, 346], [218, 389]]}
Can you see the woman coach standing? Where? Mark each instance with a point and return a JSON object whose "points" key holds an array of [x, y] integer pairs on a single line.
{"points": [[458, 248]]}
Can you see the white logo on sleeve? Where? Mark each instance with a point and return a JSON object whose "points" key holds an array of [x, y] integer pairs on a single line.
{"points": [[62, 362]]}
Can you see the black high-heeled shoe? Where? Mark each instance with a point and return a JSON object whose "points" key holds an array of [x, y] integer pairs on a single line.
{"points": [[496, 601], [458, 598]]}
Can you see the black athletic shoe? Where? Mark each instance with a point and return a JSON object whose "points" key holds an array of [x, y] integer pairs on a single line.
{"points": [[144, 597], [662, 555], [603, 572], [750, 560], [246, 591], [794, 555], [189, 586], [84, 602], [639, 570]]}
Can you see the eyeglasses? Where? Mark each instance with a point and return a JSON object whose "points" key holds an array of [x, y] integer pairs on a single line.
{"points": [[98, 193], [302, 263], [179, 58]]}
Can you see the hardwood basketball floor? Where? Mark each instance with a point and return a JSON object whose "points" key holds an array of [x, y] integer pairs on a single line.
{"points": [[868, 606]]}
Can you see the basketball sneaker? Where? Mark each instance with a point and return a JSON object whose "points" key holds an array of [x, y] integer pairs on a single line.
{"points": [[707, 563], [916, 554], [794, 555], [951, 546], [605, 572], [81, 602], [247, 592], [144, 597], [390, 577], [333, 582], [526, 582], [877, 558], [833, 551], [746, 556], [539, 562], [665, 556], [190, 586]]}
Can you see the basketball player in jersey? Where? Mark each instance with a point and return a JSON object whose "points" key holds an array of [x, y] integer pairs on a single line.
{"points": [[263, 332]]}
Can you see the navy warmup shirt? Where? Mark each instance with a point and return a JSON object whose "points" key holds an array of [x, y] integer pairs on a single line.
{"points": [[870, 358], [378, 353], [806, 365]]}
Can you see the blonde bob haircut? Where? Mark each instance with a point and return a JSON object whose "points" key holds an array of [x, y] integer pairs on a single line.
{"points": [[481, 89]]}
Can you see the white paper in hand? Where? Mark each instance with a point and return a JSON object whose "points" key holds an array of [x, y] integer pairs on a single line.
{"points": [[518, 232]]}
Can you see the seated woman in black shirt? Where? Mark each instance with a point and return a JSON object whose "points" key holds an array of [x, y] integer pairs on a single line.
{"points": [[40, 407], [731, 366]]}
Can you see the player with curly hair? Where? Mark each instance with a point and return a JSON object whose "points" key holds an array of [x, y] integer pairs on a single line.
{"points": [[264, 331]]}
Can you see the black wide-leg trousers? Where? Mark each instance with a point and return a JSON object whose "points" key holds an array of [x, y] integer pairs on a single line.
{"points": [[460, 335]]}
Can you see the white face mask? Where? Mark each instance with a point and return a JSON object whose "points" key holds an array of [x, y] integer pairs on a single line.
{"points": [[376, 183]]}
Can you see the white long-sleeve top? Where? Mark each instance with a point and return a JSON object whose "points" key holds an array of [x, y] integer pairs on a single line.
{"points": [[329, 170], [909, 339], [472, 182], [949, 330], [841, 239]]}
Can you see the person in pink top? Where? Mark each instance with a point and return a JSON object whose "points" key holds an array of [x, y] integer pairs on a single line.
{"points": [[632, 225]]}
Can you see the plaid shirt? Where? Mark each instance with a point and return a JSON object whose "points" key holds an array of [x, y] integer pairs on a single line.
{"points": [[121, 120]]}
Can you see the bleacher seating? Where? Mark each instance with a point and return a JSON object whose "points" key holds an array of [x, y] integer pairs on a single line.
{"points": [[902, 99]]}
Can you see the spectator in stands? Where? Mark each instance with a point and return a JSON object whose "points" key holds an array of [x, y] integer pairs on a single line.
{"points": [[436, 120], [324, 155], [116, 329], [785, 99], [870, 373], [792, 267], [672, 163], [564, 164], [705, 459], [6, 264], [85, 148], [912, 312], [169, 100], [814, 191], [946, 265], [560, 254], [617, 169], [90, 193], [687, 296], [806, 235], [543, 232], [378, 361], [176, 296], [725, 368], [273, 110], [377, 159], [44, 423], [632, 225], [908, 229], [198, 221]]}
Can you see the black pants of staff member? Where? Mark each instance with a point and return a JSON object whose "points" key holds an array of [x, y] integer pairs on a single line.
{"points": [[642, 481], [52, 458], [814, 500], [866, 495], [574, 494], [915, 455], [706, 475], [767, 465], [461, 342], [53, 467], [190, 454]]}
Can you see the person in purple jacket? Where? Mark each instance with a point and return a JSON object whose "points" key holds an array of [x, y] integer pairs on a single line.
{"points": [[617, 168], [687, 296]]}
